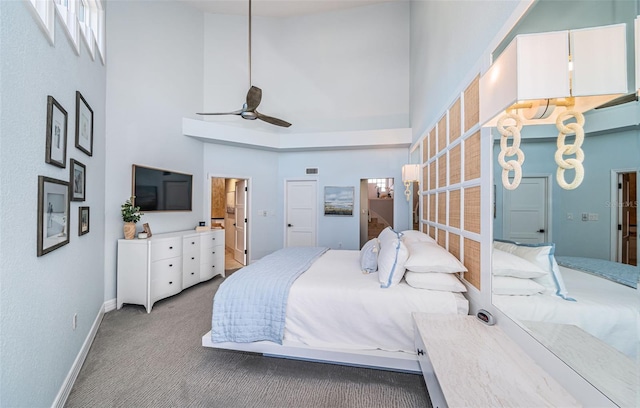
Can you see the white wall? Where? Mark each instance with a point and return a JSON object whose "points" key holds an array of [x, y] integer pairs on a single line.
{"points": [[346, 70], [154, 79], [39, 295]]}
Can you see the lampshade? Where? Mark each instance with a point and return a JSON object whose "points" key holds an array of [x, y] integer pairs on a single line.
{"points": [[410, 173], [588, 64]]}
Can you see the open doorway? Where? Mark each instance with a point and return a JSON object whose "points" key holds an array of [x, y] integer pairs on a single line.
{"points": [[229, 197], [376, 207], [627, 211]]}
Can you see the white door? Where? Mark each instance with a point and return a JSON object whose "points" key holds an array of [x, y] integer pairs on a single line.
{"points": [[525, 216], [301, 213], [240, 241], [627, 219]]}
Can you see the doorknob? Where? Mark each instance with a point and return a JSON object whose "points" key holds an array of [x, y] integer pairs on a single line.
{"points": [[541, 230], [289, 225]]}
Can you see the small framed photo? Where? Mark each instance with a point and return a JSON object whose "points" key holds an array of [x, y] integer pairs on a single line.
{"points": [[147, 229], [53, 214], [84, 125], [338, 201], [77, 181], [83, 220], [56, 145]]}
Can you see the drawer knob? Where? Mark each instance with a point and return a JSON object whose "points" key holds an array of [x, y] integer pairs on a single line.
{"points": [[171, 247], [420, 352], [170, 265], [213, 266], [193, 243], [193, 257], [213, 252], [193, 273], [170, 282], [213, 239]]}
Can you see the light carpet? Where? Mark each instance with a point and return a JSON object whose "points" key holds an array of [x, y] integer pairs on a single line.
{"points": [[156, 360]]}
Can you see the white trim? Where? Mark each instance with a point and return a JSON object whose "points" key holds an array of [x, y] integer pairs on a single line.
{"points": [[68, 382], [44, 12], [378, 359], [110, 305]]}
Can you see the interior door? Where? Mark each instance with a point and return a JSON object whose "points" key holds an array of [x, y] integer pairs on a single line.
{"points": [[627, 218], [364, 211], [301, 213], [525, 211], [240, 241]]}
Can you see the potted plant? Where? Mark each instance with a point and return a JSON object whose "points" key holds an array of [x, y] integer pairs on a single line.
{"points": [[130, 215]]}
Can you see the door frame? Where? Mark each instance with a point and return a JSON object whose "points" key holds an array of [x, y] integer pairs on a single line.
{"points": [[207, 206], [613, 251], [286, 201], [548, 206]]}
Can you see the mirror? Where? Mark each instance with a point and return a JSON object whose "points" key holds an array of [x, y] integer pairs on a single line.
{"points": [[590, 322]]}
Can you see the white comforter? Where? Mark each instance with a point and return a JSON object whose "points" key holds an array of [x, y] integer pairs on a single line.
{"points": [[335, 305]]}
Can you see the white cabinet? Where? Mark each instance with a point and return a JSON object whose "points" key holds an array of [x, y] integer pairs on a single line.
{"points": [[163, 265]]}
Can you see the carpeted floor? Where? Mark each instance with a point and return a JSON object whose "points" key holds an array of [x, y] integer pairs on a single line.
{"points": [[156, 360]]}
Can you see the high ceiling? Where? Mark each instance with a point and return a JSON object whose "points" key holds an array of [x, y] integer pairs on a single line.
{"points": [[278, 8]]}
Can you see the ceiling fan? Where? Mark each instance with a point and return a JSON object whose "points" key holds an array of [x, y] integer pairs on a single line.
{"points": [[254, 96]]}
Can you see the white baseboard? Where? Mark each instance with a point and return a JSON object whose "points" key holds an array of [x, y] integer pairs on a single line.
{"points": [[65, 390], [110, 305]]}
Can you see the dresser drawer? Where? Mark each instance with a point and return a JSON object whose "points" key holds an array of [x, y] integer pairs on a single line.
{"points": [[212, 262], [213, 239], [190, 270], [166, 248], [191, 244], [166, 278]]}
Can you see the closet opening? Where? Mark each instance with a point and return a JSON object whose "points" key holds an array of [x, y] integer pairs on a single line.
{"points": [[376, 207], [229, 197]]}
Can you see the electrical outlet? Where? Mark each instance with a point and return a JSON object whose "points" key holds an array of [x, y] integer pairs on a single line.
{"points": [[570, 216], [264, 213], [593, 216], [74, 322], [585, 216]]}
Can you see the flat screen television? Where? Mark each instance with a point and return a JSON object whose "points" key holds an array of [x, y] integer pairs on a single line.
{"points": [[161, 190]]}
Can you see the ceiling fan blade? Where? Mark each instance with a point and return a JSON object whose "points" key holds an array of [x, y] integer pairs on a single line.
{"points": [[238, 112], [254, 96], [273, 121]]}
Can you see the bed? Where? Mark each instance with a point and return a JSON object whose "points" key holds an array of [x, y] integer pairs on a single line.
{"points": [[336, 313]]}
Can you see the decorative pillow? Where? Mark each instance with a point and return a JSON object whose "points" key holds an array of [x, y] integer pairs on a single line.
{"points": [[391, 259], [388, 234], [369, 256], [506, 264], [435, 281], [508, 285], [431, 257], [542, 256], [413, 236]]}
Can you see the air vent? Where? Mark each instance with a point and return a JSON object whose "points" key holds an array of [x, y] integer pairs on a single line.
{"points": [[311, 170]]}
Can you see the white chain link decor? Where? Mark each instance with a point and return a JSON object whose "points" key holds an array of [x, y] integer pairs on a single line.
{"points": [[570, 149], [512, 130]]}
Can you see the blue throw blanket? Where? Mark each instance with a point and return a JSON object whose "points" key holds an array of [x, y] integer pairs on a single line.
{"points": [[252, 303], [627, 275]]}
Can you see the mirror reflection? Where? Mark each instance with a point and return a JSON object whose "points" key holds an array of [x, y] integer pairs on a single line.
{"points": [[565, 261]]}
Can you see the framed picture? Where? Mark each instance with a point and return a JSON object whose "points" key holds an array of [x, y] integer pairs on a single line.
{"points": [[56, 145], [147, 229], [338, 201], [53, 214], [83, 220], [84, 125], [77, 181]]}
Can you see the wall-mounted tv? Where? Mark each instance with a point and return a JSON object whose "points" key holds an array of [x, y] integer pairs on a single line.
{"points": [[161, 190]]}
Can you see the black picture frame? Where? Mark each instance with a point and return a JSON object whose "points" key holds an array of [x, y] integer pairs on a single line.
{"points": [[84, 125], [77, 181], [56, 139], [83, 220], [53, 214]]}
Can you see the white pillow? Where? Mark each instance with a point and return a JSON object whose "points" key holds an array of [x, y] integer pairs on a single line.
{"points": [[369, 256], [388, 234], [391, 259], [431, 257], [542, 256], [506, 264], [413, 236], [435, 281], [507, 285]]}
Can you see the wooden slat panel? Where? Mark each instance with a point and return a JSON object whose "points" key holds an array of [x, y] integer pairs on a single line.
{"points": [[432, 232], [455, 164], [472, 262], [425, 178], [432, 143], [472, 209], [442, 170], [454, 244], [442, 208], [454, 208], [425, 205], [432, 175], [442, 134], [425, 149], [472, 157], [442, 238], [454, 121], [432, 207], [425, 228], [472, 104]]}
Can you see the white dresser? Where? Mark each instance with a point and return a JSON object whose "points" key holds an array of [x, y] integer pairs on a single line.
{"points": [[163, 265]]}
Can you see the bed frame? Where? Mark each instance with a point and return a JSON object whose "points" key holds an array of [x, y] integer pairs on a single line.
{"points": [[378, 359]]}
